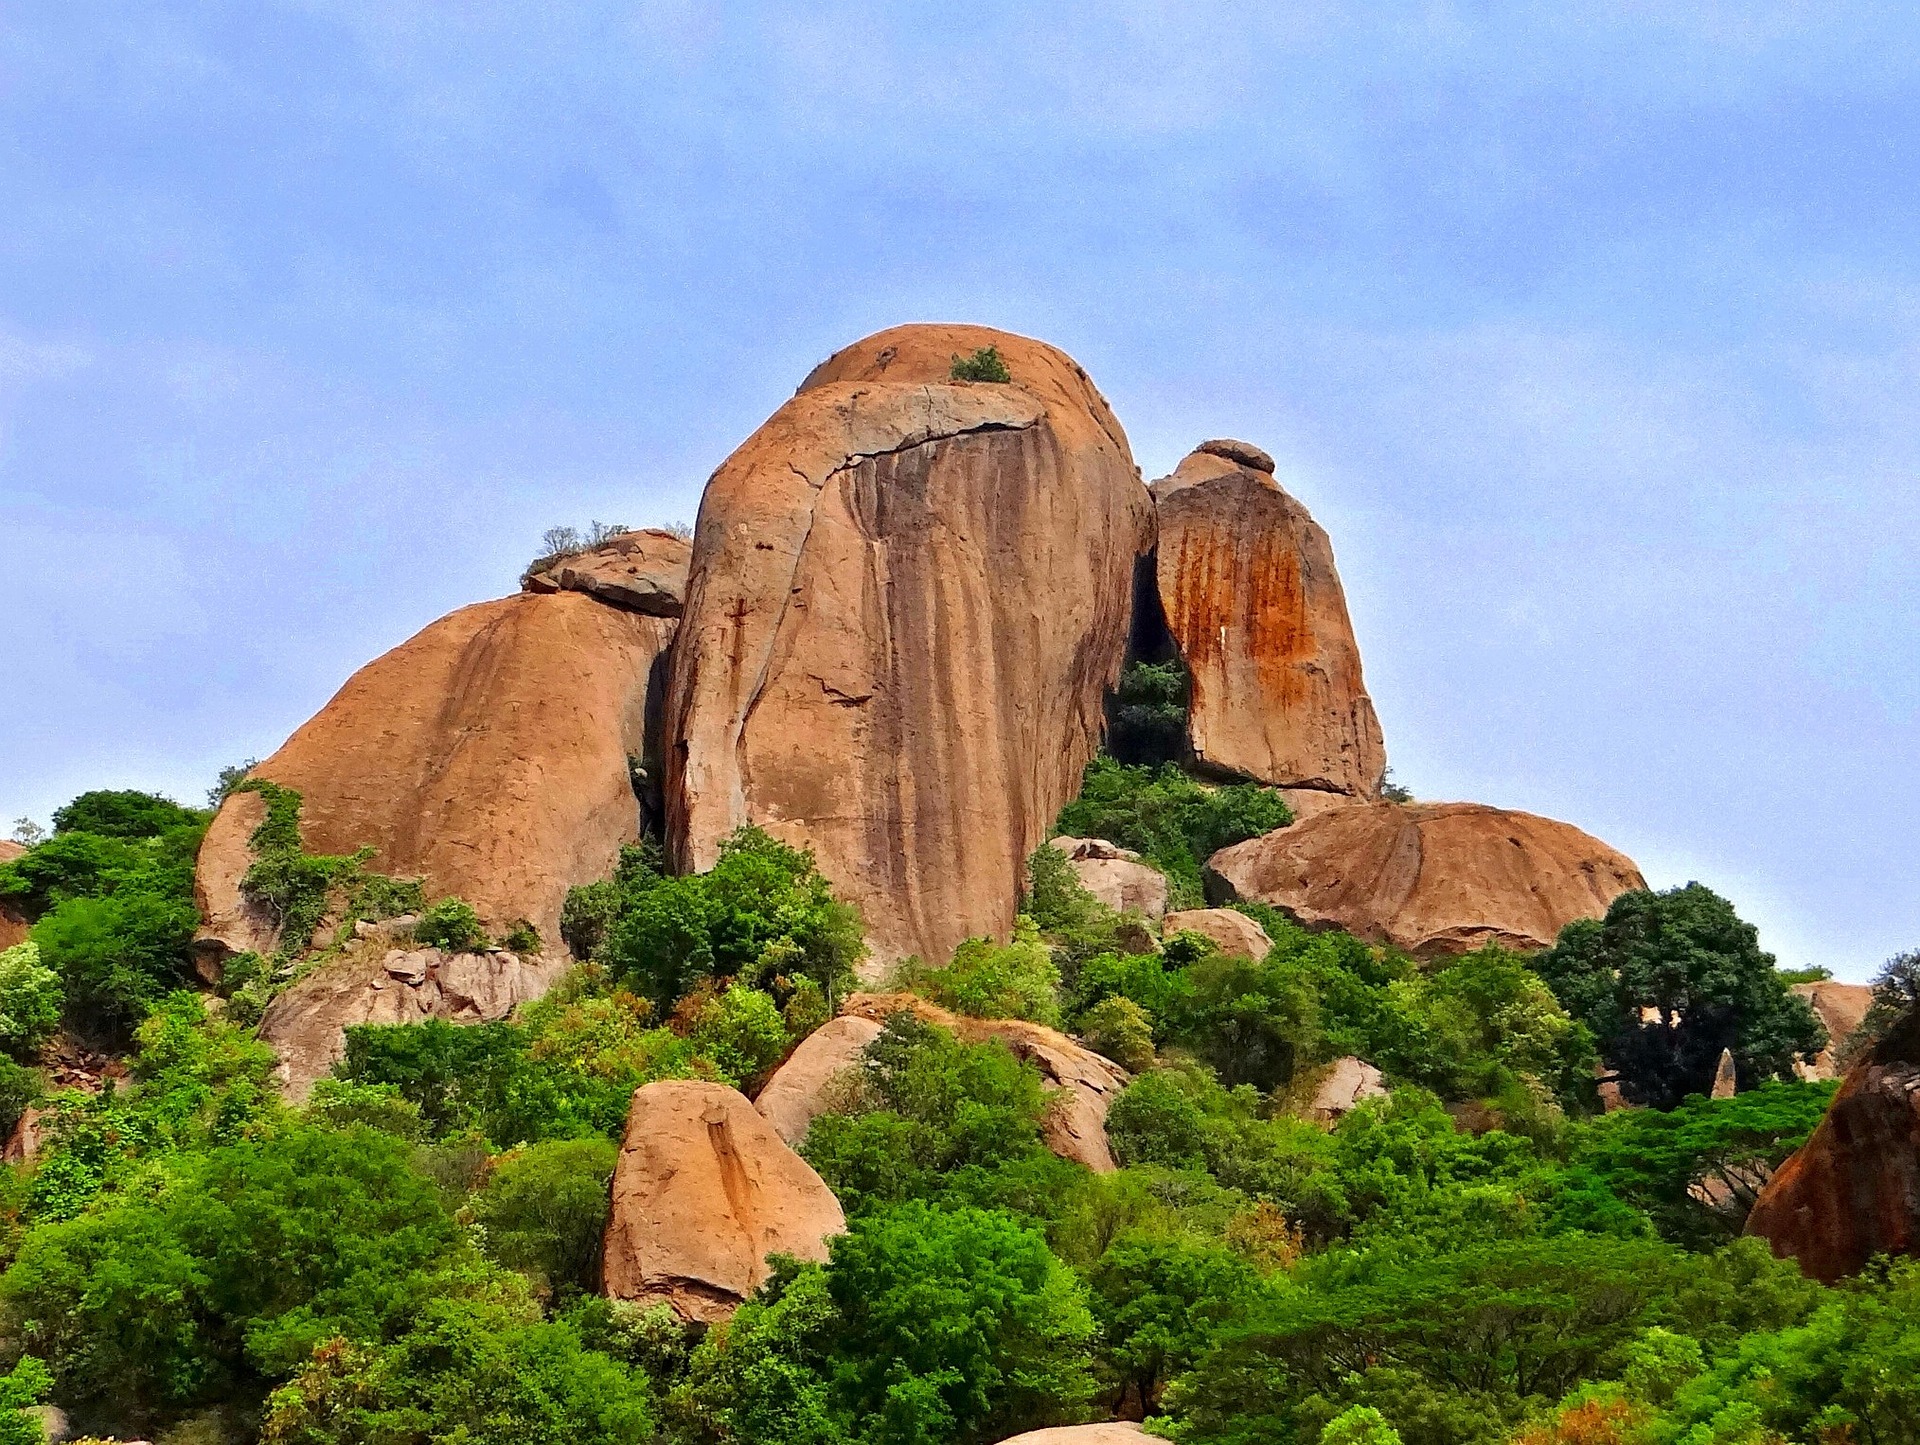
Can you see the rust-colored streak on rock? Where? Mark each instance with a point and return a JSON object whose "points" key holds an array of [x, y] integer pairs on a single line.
{"points": [[487, 754], [1251, 597], [907, 600], [1853, 1190], [1432, 878]]}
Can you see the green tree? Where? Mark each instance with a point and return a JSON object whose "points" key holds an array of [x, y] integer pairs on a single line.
{"points": [[1147, 714], [1688, 960], [1160, 1300], [1015, 981], [544, 1209], [125, 814], [29, 1000]]}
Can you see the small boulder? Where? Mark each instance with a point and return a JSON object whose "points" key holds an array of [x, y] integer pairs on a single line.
{"points": [[1116, 876], [643, 571], [1348, 1083], [797, 1090], [1840, 1007], [704, 1191], [1230, 930], [1084, 1083]]}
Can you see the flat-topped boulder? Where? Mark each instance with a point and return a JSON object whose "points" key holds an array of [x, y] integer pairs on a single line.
{"points": [[909, 597], [1228, 929], [799, 1088], [1431, 878], [487, 755], [704, 1191], [644, 571], [1251, 598], [1116, 875], [1084, 1083]]}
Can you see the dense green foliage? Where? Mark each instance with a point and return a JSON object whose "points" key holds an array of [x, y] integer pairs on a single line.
{"points": [[1017, 981], [1147, 714], [124, 814], [1174, 822], [1688, 960], [986, 364]]}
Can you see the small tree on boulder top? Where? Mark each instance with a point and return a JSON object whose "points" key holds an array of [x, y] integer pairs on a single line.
{"points": [[1668, 980], [986, 364]]}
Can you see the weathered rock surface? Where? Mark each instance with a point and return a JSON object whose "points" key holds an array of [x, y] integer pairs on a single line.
{"points": [[1726, 1080], [1116, 876], [1109, 1432], [1231, 931], [307, 1022], [1432, 878], [1249, 591], [1085, 1084], [1349, 1082], [487, 754], [798, 1089], [907, 602], [644, 571], [705, 1190], [1840, 1007], [1853, 1190], [13, 925]]}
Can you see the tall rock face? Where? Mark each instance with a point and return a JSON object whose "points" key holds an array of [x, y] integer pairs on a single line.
{"points": [[908, 599], [1853, 1190], [1841, 1008], [1431, 878], [1251, 598], [488, 754]]}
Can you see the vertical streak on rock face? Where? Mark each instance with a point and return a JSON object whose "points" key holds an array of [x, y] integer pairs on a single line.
{"points": [[907, 602], [1253, 602]]}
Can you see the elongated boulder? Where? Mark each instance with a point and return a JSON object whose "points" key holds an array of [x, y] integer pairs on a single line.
{"points": [[1250, 595], [1853, 1189], [798, 1090], [1431, 878], [1228, 929], [488, 755], [644, 571], [375, 983], [1349, 1082], [1084, 1084], [704, 1191], [1840, 1007], [908, 599]]}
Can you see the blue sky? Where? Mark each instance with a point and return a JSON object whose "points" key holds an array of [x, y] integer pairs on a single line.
{"points": [[1591, 333]]}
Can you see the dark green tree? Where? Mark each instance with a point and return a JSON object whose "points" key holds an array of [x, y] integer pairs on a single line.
{"points": [[123, 814]]}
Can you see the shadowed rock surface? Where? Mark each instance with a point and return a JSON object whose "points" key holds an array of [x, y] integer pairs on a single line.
{"points": [[1116, 876], [643, 571], [1250, 595], [1840, 1007], [907, 602], [1853, 1189], [487, 754], [1432, 878], [797, 1090], [1085, 1084], [704, 1191], [375, 984], [1230, 930]]}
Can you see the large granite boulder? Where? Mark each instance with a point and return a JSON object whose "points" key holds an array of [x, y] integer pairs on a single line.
{"points": [[488, 755], [908, 600], [704, 1191], [798, 1090], [376, 983], [1083, 1084], [1107, 1432], [1228, 929], [1853, 1190], [1840, 1008], [644, 571], [1432, 878], [1116, 875], [1250, 595]]}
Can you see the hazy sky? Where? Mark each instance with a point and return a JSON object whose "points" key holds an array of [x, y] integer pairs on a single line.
{"points": [[1591, 333]]}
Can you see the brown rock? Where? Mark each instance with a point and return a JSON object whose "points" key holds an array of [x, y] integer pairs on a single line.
{"points": [[1251, 597], [1841, 1007], [1116, 876], [14, 927], [1432, 878], [1108, 1432], [25, 1140], [10, 850], [908, 600], [1853, 1190], [1726, 1081], [1231, 931], [1085, 1084], [705, 1190], [797, 1091], [488, 754], [643, 571], [1349, 1082], [307, 1022]]}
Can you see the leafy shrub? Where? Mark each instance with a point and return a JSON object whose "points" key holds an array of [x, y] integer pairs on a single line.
{"points": [[119, 955], [450, 926], [983, 365], [29, 1000], [740, 1030], [544, 1209], [293, 885], [1018, 981], [125, 814], [1172, 821], [1119, 1028], [227, 780], [1147, 715]]}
